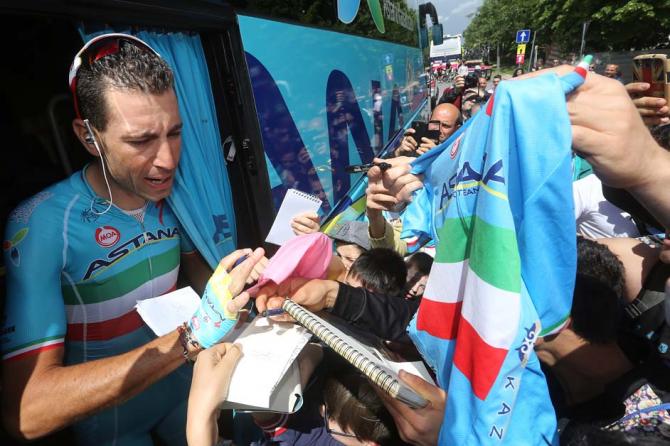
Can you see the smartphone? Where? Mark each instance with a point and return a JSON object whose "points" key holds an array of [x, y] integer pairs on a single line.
{"points": [[653, 69], [424, 130]]}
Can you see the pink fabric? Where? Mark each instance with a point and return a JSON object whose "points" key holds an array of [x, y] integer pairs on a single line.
{"points": [[306, 256]]}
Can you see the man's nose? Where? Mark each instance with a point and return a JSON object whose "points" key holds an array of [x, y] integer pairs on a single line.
{"points": [[167, 156]]}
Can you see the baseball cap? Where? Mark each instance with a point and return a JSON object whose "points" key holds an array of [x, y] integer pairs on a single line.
{"points": [[353, 232]]}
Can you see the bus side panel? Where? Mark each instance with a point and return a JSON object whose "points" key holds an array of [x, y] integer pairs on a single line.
{"points": [[326, 100]]}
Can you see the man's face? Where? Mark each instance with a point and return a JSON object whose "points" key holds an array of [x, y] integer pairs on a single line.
{"points": [[447, 123], [496, 81], [142, 141], [481, 83], [611, 70]]}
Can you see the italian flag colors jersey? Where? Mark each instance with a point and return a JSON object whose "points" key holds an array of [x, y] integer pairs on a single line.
{"points": [[74, 273], [499, 198]]}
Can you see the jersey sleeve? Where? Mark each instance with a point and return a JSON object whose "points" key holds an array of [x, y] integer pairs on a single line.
{"points": [[185, 243], [34, 316]]}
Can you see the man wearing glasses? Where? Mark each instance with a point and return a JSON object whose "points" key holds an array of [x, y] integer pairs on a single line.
{"points": [[445, 117]]}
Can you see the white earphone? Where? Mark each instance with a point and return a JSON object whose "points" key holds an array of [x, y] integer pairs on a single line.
{"points": [[91, 139]]}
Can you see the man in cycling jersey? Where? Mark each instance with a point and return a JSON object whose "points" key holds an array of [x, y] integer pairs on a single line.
{"points": [[81, 253]]}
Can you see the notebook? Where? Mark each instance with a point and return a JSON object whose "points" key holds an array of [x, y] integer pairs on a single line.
{"points": [[295, 202], [381, 371], [267, 377]]}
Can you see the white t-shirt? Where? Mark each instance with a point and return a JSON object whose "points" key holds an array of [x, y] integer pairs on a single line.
{"points": [[597, 217]]}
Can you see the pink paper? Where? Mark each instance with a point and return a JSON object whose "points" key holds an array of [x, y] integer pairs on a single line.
{"points": [[306, 256]]}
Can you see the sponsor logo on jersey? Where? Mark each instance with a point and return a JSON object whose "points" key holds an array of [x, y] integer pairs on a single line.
{"points": [[12, 244], [121, 251], [107, 236]]}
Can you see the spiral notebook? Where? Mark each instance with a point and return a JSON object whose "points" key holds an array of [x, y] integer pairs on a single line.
{"points": [[295, 202], [366, 359]]}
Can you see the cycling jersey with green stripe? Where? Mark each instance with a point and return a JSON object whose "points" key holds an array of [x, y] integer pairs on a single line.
{"points": [[76, 275]]}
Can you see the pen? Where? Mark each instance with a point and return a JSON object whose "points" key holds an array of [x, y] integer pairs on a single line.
{"points": [[272, 312], [361, 168]]}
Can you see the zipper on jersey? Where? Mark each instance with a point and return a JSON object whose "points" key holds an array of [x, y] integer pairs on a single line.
{"points": [[151, 269]]}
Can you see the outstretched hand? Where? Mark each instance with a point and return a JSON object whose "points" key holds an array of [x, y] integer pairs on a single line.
{"points": [[417, 426], [209, 387], [653, 110]]}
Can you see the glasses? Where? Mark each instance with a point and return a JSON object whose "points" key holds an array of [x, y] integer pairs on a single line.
{"points": [[329, 430], [98, 48]]}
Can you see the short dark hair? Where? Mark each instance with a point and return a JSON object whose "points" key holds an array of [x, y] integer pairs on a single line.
{"points": [[132, 68], [497, 76], [598, 294], [421, 261], [353, 403], [381, 270]]}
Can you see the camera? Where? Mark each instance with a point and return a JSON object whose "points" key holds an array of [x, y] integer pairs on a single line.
{"points": [[471, 81]]}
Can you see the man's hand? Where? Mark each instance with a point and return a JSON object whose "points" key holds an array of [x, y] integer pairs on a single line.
{"points": [[425, 146], [209, 388], [393, 187], [654, 111], [315, 295], [459, 83], [417, 426], [608, 131], [223, 297], [305, 223], [258, 270], [408, 144]]}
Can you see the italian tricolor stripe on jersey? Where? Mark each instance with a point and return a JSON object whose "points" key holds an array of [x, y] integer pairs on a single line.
{"points": [[102, 289], [105, 313], [473, 295], [34, 347]]}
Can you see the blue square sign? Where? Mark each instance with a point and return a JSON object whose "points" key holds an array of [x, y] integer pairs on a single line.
{"points": [[523, 36]]}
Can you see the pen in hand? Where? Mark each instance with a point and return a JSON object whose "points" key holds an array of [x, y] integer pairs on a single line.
{"points": [[272, 312]]}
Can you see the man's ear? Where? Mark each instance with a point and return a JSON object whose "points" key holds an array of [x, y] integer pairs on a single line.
{"points": [[84, 137]]}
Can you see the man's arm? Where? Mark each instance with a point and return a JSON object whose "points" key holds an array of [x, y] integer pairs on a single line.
{"points": [[609, 133], [41, 396], [385, 316]]}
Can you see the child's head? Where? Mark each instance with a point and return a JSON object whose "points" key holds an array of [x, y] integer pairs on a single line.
{"points": [[353, 408], [351, 240], [379, 270], [418, 269]]}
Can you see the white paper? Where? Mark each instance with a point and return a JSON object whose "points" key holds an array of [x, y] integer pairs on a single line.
{"points": [[165, 313], [415, 368], [268, 351], [295, 202]]}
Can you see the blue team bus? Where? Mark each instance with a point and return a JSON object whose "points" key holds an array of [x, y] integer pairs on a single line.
{"points": [[274, 95], [290, 92]]}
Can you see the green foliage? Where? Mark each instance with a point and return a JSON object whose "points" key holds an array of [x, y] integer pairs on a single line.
{"points": [[615, 25]]}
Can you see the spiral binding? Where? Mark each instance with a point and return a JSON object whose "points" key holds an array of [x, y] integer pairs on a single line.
{"points": [[305, 195], [377, 374]]}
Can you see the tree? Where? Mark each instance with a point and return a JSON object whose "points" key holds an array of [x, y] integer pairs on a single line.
{"points": [[615, 25]]}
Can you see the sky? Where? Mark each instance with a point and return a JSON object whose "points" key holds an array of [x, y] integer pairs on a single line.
{"points": [[453, 14]]}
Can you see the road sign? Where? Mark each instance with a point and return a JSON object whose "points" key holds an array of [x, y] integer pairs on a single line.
{"points": [[523, 36], [520, 58], [521, 49]]}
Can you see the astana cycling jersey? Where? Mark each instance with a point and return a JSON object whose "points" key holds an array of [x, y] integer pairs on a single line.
{"points": [[74, 276]]}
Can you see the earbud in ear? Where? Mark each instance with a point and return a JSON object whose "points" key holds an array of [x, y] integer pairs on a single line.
{"points": [[89, 139]]}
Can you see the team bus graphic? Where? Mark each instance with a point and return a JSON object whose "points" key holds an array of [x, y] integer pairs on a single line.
{"points": [[287, 94]]}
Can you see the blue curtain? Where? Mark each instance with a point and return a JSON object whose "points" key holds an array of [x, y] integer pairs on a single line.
{"points": [[201, 196]]}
